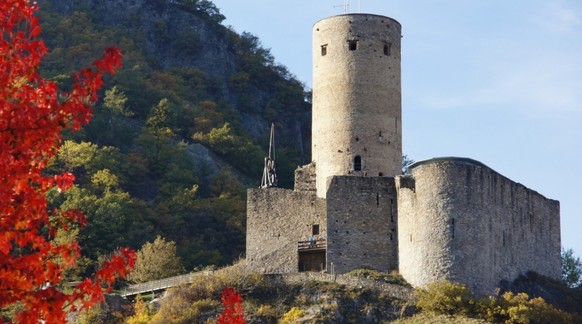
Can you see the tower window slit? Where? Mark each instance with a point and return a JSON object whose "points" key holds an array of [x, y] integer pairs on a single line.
{"points": [[358, 163], [387, 49], [391, 210], [377, 198], [353, 45], [453, 227], [323, 50]]}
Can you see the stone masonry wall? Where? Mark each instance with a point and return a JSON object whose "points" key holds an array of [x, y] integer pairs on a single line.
{"points": [[305, 178], [356, 128], [361, 223], [277, 219], [460, 220]]}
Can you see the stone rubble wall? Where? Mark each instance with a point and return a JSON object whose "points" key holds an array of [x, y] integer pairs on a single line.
{"points": [[277, 219], [362, 224], [305, 178], [460, 220]]}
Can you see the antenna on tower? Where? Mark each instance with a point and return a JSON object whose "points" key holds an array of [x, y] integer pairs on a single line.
{"points": [[346, 6]]}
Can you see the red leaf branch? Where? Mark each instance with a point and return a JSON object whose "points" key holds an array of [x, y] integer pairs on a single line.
{"points": [[33, 114], [233, 311]]}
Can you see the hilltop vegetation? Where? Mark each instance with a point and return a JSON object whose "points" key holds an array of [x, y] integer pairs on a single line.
{"points": [[361, 296], [181, 129]]}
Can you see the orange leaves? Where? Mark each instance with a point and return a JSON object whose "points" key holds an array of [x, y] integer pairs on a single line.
{"points": [[33, 115]]}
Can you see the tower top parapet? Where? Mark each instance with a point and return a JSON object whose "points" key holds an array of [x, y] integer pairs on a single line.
{"points": [[359, 14]]}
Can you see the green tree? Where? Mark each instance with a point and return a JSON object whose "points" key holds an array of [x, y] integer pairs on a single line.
{"points": [[236, 149], [115, 101], [160, 116], [142, 313], [115, 218], [156, 260], [571, 269], [406, 162]]}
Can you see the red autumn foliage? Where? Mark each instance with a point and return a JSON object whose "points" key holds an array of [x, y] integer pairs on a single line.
{"points": [[233, 311], [33, 114]]}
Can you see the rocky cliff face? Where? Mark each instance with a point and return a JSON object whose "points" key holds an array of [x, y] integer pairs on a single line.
{"points": [[180, 33], [172, 34]]}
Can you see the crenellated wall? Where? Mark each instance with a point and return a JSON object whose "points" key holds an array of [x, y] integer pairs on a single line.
{"points": [[460, 220]]}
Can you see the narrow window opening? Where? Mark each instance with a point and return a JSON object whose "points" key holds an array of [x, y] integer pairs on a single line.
{"points": [[380, 174], [387, 48], [390, 236], [323, 50], [315, 229], [391, 210], [377, 198], [353, 45], [453, 227], [358, 163]]}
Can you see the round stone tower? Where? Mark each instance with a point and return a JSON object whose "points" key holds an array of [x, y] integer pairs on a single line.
{"points": [[356, 97]]}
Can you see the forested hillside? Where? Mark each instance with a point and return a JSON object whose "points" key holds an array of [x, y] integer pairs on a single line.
{"points": [[181, 130]]}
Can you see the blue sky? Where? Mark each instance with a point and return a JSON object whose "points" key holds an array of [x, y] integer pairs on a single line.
{"points": [[497, 81]]}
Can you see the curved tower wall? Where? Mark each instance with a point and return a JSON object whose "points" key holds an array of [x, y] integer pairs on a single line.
{"points": [[459, 220], [356, 97]]}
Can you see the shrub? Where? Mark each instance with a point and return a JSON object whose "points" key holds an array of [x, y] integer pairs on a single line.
{"points": [[447, 298], [393, 277], [519, 308], [142, 315], [204, 306], [201, 287], [240, 277], [292, 315], [267, 312], [180, 310]]}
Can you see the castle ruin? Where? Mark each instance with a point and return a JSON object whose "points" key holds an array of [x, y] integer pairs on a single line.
{"points": [[351, 207]]}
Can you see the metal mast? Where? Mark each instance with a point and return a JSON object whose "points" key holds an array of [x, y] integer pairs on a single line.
{"points": [[269, 175]]}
